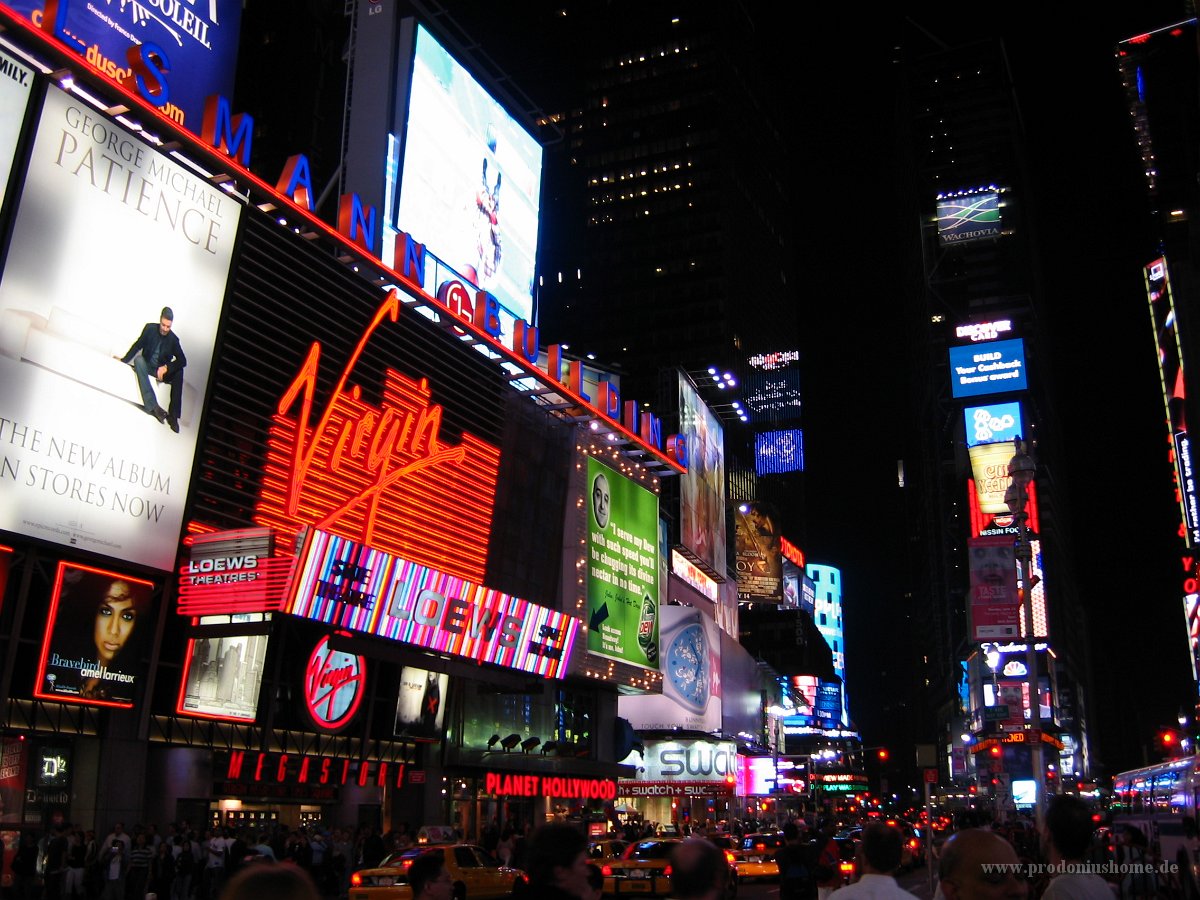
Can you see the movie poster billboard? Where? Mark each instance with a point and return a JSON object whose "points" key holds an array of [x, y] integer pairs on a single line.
{"points": [[98, 626], [690, 649], [759, 554], [702, 487], [993, 572], [188, 49], [421, 704], [470, 179], [222, 677], [108, 232], [622, 585]]}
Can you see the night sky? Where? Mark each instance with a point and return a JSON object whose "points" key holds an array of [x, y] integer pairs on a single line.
{"points": [[833, 76]]}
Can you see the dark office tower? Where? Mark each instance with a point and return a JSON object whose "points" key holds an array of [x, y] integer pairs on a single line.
{"points": [[676, 144], [1159, 73], [982, 378]]}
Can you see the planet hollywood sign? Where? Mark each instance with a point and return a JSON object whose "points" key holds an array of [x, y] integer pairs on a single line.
{"points": [[500, 784]]}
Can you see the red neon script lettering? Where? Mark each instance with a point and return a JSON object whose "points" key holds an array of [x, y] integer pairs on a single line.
{"points": [[387, 444], [324, 682]]}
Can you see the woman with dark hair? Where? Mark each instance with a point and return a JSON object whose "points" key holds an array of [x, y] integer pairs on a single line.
{"points": [[115, 620]]}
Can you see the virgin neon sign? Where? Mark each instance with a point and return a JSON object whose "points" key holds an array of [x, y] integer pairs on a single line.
{"points": [[334, 683], [350, 585], [380, 475]]}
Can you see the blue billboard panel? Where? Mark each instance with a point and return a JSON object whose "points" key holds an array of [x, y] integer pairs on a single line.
{"points": [[990, 368], [777, 452], [969, 217], [993, 424], [185, 50]]}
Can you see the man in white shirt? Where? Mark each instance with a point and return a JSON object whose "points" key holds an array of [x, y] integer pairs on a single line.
{"points": [[119, 834], [878, 858], [1066, 839]]}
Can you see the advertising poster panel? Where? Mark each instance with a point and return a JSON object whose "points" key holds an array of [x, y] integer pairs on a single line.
{"points": [[690, 647], [993, 571], [702, 487], [991, 368], [622, 584], [98, 625], [989, 466], [772, 386], [968, 217], [470, 182], [222, 677], [759, 554], [421, 704], [16, 81], [13, 753], [195, 44], [108, 233]]}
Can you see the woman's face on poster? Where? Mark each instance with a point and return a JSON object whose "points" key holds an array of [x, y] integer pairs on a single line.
{"points": [[115, 621]]}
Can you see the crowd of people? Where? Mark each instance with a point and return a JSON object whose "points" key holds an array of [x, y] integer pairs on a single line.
{"points": [[69, 862]]}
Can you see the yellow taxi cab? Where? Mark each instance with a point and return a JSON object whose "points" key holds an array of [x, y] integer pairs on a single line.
{"points": [[755, 856], [645, 870], [601, 851], [477, 875]]}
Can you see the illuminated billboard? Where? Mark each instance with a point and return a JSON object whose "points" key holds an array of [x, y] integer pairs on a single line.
{"points": [[1171, 378], [222, 677], [183, 52], [346, 584], [436, 156], [779, 452], [772, 386], [421, 704], [84, 465], [993, 424], [702, 487], [690, 650], [994, 600], [759, 554], [967, 217], [15, 86], [991, 368], [98, 624], [989, 466], [622, 572]]}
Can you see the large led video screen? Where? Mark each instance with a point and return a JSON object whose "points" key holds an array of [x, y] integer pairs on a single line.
{"points": [[772, 386], [995, 423], [779, 452], [195, 44], [222, 677], [622, 576], [702, 486], [96, 631], [470, 179], [991, 368], [968, 217], [108, 233]]}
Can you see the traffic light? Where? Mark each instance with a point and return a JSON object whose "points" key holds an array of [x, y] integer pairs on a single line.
{"points": [[996, 751], [1169, 738], [883, 754]]}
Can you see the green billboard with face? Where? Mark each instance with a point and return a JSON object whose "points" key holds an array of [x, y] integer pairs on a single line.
{"points": [[622, 586]]}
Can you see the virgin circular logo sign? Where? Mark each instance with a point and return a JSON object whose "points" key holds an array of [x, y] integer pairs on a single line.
{"points": [[333, 685]]}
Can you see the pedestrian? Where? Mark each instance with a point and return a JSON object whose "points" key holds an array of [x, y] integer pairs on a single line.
{"points": [[113, 864], [162, 871], [962, 871], [270, 881], [556, 860], [699, 870], [137, 871], [795, 878], [1066, 839], [185, 868], [73, 887], [879, 858], [827, 873]]}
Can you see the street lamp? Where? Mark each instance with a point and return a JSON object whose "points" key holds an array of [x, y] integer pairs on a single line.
{"points": [[1021, 470]]}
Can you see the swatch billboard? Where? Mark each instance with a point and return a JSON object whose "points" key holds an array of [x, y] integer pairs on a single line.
{"points": [[622, 576], [182, 50], [83, 464]]}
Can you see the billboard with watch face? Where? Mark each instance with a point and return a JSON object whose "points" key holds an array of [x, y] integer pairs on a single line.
{"points": [[690, 651]]}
